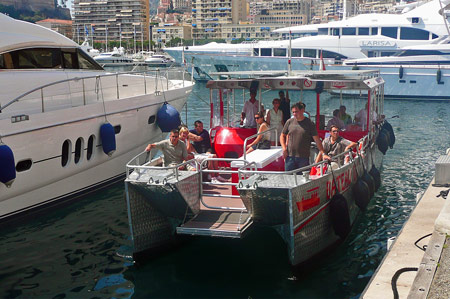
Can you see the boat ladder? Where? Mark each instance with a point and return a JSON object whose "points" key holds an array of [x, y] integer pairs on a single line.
{"points": [[222, 214]]}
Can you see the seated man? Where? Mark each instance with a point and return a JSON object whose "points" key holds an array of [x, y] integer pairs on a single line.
{"points": [[174, 150], [361, 118], [335, 121], [200, 137], [346, 118], [334, 145]]}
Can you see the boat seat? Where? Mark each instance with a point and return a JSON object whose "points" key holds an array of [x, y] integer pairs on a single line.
{"points": [[261, 157]]}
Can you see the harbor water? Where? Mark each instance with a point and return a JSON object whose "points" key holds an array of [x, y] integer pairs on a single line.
{"points": [[83, 250]]}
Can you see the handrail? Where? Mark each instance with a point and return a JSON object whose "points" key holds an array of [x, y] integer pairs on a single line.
{"points": [[257, 134], [77, 79]]}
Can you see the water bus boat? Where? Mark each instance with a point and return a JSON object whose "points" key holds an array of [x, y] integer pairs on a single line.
{"points": [[311, 208]]}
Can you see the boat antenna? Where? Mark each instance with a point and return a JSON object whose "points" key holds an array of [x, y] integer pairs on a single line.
{"points": [[441, 12]]}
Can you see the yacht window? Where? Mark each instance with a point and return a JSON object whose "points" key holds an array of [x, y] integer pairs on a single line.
{"points": [[69, 60], [387, 53], [78, 150], [279, 52], [374, 31], [66, 151], [296, 52], [86, 62], [433, 36], [322, 31], [24, 165], [335, 31], [363, 31], [330, 54], [90, 147], [309, 53], [36, 58], [266, 52], [389, 31], [349, 31], [2, 62], [413, 34], [256, 52], [419, 52], [117, 129]]}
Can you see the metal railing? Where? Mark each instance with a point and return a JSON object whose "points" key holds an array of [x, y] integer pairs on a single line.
{"points": [[164, 76], [257, 134]]}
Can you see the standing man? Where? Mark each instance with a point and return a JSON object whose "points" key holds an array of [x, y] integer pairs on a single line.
{"points": [[174, 150], [296, 147], [285, 105], [200, 136], [251, 107]]}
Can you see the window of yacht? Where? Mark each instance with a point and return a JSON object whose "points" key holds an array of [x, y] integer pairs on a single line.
{"points": [[279, 52], [266, 52], [66, 152], [322, 31], [309, 53], [389, 31], [331, 54], [296, 52], [36, 58], [256, 52], [363, 31], [374, 31], [349, 31], [86, 62], [24, 165], [90, 147], [419, 52], [433, 36], [78, 150], [387, 53], [413, 34], [335, 31]]}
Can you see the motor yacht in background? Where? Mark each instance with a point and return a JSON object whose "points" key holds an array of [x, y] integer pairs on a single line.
{"points": [[115, 58], [159, 60], [89, 49], [67, 127], [362, 36]]}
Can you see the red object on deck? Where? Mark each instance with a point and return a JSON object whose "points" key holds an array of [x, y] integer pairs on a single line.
{"points": [[229, 142]]}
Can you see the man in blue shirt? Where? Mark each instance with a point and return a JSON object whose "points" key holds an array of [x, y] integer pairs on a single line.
{"points": [[200, 136]]}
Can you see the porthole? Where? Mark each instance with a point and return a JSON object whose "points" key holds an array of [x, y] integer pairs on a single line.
{"points": [[66, 151], [90, 147], [151, 119], [78, 150], [117, 129], [24, 165]]}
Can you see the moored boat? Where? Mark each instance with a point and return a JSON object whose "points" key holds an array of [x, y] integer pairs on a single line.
{"points": [[311, 208], [66, 125]]}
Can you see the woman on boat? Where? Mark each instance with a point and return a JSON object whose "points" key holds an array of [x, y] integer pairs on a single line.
{"points": [[275, 118], [262, 141]]}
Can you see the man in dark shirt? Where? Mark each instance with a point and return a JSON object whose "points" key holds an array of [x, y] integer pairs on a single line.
{"points": [[296, 148], [285, 105], [200, 136]]}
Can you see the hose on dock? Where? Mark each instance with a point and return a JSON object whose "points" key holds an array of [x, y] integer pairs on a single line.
{"points": [[424, 247], [396, 276]]}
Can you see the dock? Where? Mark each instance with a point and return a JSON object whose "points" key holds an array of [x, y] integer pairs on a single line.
{"points": [[417, 265]]}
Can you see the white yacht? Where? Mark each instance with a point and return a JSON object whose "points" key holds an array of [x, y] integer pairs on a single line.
{"points": [[67, 127], [415, 72], [365, 35], [86, 46], [116, 57], [159, 60]]}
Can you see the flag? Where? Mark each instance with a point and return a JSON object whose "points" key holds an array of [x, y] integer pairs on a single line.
{"points": [[86, 31], [92, 29]]}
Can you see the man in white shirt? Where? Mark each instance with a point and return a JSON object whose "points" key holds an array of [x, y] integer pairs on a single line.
{"points": [[361, 118], [251, 107]]}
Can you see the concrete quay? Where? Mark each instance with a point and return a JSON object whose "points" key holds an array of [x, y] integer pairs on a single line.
{"points": [[418, 262]]}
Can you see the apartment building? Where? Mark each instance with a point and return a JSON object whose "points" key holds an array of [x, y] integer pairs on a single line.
{"points": [[284, 17], [163, 34], [63, 27], [249, 31], [111, 20], [208, 16]]}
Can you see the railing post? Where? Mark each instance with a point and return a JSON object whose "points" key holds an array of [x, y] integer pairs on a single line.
{"points": [[84, 92], [145, 84], [42, 100], [117, 84]]}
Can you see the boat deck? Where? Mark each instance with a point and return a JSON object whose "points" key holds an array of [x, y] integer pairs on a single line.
{"points": [[231, 221]]}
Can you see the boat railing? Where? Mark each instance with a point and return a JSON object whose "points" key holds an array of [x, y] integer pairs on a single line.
{"points": [[256, 135], [244, 172], [136, 165], [81, 91]]}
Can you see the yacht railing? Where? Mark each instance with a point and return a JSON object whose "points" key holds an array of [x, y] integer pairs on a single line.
{"points": [[84, 90]]}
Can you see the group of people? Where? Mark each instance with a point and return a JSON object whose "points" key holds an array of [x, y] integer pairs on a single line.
{"points": [[179, 148], [295, 135]]}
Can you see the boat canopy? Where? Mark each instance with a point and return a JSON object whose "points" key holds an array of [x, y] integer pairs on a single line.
{"points": [[16, 35], [307, 80]]}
